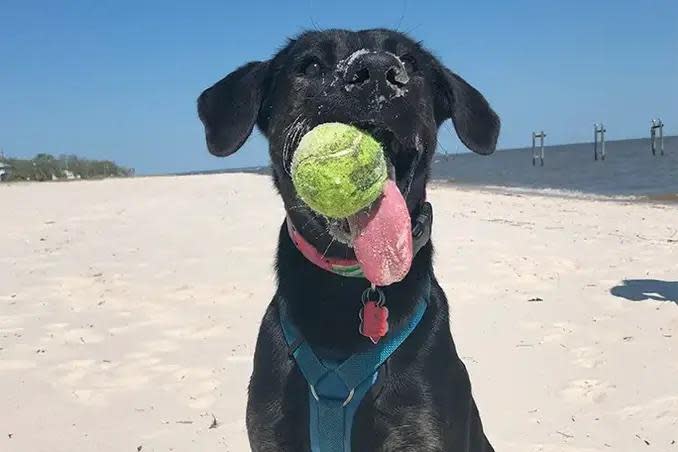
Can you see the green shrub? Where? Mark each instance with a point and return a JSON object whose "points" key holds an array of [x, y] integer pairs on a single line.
{"points": [[47, 167]]}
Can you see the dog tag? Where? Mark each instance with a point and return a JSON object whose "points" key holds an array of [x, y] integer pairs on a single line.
{"points": [[373, 316]]}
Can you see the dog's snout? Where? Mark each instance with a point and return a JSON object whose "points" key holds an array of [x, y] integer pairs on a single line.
{"points": [[360, 76], [378, 68], [397, 76]]}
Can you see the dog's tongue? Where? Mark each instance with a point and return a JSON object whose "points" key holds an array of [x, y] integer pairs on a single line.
{"points": [[382, 238]]}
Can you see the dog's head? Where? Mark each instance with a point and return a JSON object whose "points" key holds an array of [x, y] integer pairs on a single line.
{"points": [[378, 80]]}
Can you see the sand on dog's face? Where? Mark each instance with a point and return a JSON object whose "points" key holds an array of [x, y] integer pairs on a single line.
{"points": [[129, 311]]}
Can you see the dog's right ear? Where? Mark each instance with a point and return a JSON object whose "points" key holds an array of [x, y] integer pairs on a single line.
{"points": [[229, 108]]}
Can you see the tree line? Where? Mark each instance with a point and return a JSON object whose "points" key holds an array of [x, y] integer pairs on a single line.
{"points": [[44, 167]]}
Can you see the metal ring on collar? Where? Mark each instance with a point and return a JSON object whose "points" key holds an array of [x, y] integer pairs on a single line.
{"points": [[345, 402], [366, 295]]}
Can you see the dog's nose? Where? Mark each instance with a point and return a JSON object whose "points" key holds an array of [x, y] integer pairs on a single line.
{"points": [[378, 68]]}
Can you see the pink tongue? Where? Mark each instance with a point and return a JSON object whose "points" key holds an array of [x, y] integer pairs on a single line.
{"points": [[382, 238]]}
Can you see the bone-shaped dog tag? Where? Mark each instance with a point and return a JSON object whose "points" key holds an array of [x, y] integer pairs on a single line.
{"points": [[373, 316]]}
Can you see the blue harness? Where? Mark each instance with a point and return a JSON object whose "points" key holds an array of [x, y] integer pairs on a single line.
{"points": [[337, 388]]}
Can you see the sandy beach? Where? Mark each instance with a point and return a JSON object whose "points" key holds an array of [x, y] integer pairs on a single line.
{"points": [[129, 310]]}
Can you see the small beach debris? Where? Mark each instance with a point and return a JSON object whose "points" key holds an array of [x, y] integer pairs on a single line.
{"points": [[214, 423], [647, 443], [535, 300], [524, 344], [184, 422], [139, 448]]}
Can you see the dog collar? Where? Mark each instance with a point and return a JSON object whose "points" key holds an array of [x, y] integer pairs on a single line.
{"points": [[343, 267], [421, 232]]}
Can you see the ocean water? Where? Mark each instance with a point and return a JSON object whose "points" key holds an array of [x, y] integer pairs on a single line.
{"points": [[629, 169]]}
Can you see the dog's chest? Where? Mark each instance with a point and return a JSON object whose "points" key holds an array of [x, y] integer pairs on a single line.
{"points": [[393, 422]]}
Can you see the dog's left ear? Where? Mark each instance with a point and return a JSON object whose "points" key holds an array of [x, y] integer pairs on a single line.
{"points": [[477, 125], [230, 107]]}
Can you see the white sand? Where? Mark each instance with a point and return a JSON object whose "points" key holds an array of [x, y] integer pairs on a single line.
{"points": [[129, 311]]}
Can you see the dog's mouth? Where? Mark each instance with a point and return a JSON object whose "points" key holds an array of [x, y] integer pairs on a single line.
{"points": [[379, 236], [402, 158], [401, 164], [403, 152], [340, 230]]}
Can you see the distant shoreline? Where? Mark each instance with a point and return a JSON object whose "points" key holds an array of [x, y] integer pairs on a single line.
{"points": [[629, 174], [661, 198], [574, 147]]}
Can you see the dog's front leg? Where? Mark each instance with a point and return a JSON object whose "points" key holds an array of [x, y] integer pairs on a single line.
{"points": [[277, 406]]}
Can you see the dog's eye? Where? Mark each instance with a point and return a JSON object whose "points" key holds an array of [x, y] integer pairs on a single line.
{"points": [[312, 69], [409, 62]]}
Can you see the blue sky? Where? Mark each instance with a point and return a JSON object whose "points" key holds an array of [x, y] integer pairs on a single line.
{"points": [[119, 79]]}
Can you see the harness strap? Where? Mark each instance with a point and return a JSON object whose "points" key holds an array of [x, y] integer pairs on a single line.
{"points": [[336, 389]]}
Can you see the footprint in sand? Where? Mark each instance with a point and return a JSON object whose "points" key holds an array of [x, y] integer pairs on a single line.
{"points": [[554, 333], [588, 357], [594, 391]]}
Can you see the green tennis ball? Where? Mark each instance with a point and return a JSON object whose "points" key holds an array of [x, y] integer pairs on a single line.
{"points": [[338, 169]]}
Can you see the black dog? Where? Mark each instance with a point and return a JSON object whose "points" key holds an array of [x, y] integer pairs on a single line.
{"points": [[387, 84]]}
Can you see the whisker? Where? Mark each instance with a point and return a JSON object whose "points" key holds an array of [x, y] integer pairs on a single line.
{"points": [[298, 209], [292, 123], [301, 207], [306, 224], [328, 247], [402, 15], [326, 229], [300, 130], [289, 132]]}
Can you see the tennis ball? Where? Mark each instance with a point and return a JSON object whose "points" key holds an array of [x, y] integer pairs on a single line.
{"points": [[338, 169]]}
